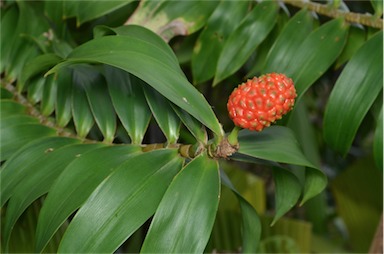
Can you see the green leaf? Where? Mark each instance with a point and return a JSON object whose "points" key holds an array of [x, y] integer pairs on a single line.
{"points": [[165, 117], [129, 102], [88, 10], [35, 90], [5, 94], [169, 18], [123, 201], [63, 107], [13, 169], [137, 56], [288, 191], [192, 197], [9, 107], [12, 139], [222, 22], [195, 127], [239, 46], [75, 185], [8, 20], [10, 121], [37, 179], [99, 102], [81, 111], [378, 142], [49, 96], [378, 7], [317, 53], [353, 94], [284, 49], [278, 143], [37, 65], [251, 227]]}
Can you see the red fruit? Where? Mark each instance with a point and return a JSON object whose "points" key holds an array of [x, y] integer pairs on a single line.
{"points": [[261, 101]]}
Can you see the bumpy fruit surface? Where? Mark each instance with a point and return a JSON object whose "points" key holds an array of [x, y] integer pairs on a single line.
{"points": [[261, 101]]}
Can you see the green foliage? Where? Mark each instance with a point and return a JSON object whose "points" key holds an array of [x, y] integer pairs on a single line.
{"points": [[106, 145]]}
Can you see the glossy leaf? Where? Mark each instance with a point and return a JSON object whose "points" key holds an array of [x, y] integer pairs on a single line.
{"points": [[378, 142], [37, 179], [81, 111], [225, 18], [239, 46], [288, 191], [13, 169], [129, 102], [10, 121], [9, 108], [355, 91], [317, 53], [75, 185], [251, 227], [8, 18], [63, 107], [121, 203], [37, 65], [137, 56], [35, 90], [49, 96], [99, 101], [165, 117], [12, 139], [293, 34], [88, 10], [193, 196], [169, 19]]}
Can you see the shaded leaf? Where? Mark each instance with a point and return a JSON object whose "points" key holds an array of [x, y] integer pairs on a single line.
{"points": [[121, 203], [137, 56], [9, 108], [38, 178], [251, 227], [129, 102], [354, 92], [165, 117], [224, 19], [49, 96], [378, 142], [192, 196], [239, 46], [75, 185], [63, 107], [35, 90], [8, 20]]}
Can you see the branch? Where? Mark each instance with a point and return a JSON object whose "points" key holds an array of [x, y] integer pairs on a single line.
{"points": [[326, 10]]}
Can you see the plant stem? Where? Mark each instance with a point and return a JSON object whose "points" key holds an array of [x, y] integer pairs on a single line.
{"points": [[326, 10]]}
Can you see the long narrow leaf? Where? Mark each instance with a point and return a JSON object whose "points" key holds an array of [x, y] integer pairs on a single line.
{"points": [[122, 203], [355, 91], [378, 142], [192, 197], [75, 185]]}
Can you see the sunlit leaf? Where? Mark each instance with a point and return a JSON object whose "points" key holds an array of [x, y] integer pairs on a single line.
{"points": [[239, 46], [75, 185], [192, 196], [353, 94], [122, 203]]}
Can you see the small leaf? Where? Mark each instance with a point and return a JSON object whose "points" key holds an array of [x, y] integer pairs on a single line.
{"points": [[378, 142], [122, 203], [165, 117], [75, 185], [49, 96], [288, 191], [239, 46], [129, 102], [251, 226], [37, 179], [137, 56], [35, 90], [13, 169], [192, 197], [63, 107], [225, 18], [353, 94]]}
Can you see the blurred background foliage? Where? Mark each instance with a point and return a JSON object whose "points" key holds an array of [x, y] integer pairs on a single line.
{"points": [[337, 118]]}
